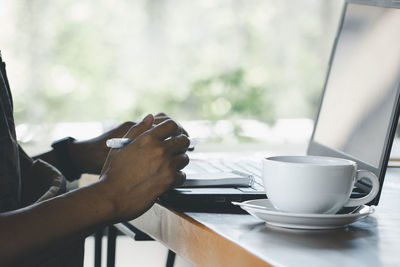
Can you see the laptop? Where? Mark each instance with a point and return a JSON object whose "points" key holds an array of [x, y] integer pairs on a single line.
{"points": [[358, 112]]}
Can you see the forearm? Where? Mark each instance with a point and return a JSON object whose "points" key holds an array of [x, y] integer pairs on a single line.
{"points": [[77, 151], [50, 223], [49, 157], [88, 156]]}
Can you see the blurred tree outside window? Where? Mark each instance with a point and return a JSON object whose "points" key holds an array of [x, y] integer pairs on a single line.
{"points": [[209, 60]]}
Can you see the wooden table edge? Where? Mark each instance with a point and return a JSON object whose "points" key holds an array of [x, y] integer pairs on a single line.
{"points": [[192, 240]]}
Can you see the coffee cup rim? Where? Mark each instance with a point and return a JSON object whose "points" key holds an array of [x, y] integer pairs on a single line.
{"points": [[297, 160]]}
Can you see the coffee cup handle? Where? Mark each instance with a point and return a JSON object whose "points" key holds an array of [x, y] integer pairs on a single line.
{"points": [[353, 202]]}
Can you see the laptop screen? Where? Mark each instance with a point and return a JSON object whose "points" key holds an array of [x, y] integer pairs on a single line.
{"points": [[361, 90]]}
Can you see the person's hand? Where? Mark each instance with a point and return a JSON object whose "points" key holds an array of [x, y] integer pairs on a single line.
{"points": [[88, 156], [138, 173], [160, 117]]}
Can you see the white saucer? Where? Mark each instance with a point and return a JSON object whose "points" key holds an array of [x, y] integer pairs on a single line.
{"points": [[304, 221]]}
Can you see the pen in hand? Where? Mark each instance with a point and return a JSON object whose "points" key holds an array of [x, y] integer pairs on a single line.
{"points": [[121, 142]]}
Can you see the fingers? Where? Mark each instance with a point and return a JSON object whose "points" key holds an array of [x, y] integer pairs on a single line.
{"points": [[177, 145], [184, 131], [141, 127], [180, 178], [166, 129], [180, 161], [160, 117], [161, 114], [124, 127]]}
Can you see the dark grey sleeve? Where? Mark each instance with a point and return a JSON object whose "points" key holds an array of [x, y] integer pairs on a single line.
{"points": [[10, 176]]}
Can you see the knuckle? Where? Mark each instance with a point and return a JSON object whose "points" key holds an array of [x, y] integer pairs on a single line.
{"points": [[183, 175], [180, 178], [185, 140], [186, 159], [182, 162], [172, 124]]}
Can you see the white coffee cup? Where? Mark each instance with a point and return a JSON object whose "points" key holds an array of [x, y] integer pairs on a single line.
{"points": [[313, 184]]}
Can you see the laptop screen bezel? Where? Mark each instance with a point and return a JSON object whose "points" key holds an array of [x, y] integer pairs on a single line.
{"points": [[319, 149]]}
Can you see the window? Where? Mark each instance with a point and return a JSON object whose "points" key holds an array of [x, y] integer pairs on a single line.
{"points": [[208, 60]]}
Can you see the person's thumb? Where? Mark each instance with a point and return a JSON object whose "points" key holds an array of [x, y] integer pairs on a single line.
{"points": [[141, 127]]}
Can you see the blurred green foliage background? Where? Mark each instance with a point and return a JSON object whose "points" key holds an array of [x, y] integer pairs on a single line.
{"points": [[96, 60]]}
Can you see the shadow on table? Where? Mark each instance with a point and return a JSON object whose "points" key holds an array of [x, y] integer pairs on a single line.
{"points": [[222, 208]]}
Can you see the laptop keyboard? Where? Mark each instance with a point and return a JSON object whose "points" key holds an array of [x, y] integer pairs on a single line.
{"points": [[249, 167]]}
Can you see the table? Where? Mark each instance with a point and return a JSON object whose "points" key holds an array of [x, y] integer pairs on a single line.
{"points": [[221, 239]]}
